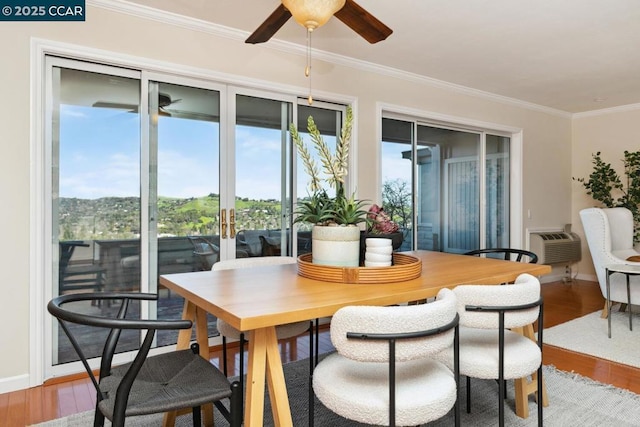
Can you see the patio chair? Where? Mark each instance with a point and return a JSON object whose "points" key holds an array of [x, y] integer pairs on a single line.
{"points": [[148, 385], [77, 276], [207, 254]]}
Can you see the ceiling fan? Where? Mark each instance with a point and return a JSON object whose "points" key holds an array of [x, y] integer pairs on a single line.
{"points": [[164, 100], [312, 14]]}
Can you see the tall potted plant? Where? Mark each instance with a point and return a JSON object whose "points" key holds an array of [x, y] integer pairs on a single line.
{"points": [[335, 234], [606, 186]]}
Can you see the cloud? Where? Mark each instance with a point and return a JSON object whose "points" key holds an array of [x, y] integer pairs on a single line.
{"points": [[187, 175]]}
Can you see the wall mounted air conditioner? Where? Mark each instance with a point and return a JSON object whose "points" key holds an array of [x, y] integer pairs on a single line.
{"points": [[556, 247]]}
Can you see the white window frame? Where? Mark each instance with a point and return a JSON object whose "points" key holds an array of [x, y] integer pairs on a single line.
{"points": [[430, 118], [40, 271]]}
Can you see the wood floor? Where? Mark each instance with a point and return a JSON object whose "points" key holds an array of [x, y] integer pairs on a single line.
{"points": [[563, 302]]}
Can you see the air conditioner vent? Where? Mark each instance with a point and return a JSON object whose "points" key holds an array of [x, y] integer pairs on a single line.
{"points": [[556, 247], [553, 236]]}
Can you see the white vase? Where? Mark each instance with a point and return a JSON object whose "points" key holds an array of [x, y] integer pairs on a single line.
{"points": [[335, 245]]}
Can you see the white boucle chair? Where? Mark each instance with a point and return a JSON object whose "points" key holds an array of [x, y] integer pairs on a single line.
{"points": [[609, 235], [382, 372], [283, 332], [488, 348]]}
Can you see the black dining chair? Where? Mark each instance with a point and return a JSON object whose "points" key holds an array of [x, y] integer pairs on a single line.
{"points": [[508, 254], [147, 385]]}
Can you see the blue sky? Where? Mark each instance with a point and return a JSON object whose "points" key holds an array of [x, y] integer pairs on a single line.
{"points": [[100, 157]]}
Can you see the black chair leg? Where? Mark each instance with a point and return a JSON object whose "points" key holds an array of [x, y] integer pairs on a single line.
{"points": [[539, 391], [224, 356], [317, 347], [236, 405], [197, 419], [313, 361], [98, 418], [468, 395], [501, 399]]}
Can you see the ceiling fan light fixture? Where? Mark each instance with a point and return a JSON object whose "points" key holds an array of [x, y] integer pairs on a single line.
{"points": [[312, 14]]}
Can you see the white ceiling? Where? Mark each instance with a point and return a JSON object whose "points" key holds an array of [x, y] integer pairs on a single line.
{"points": [[570, 55]]}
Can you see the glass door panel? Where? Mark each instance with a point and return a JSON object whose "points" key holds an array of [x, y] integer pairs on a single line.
{"points": [[95, 176], [184, 190], [263, 177], [497, 192], [397, 178], [459, 153], [442, 168], [328, 120]]}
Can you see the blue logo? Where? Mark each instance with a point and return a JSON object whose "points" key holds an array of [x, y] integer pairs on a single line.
{"points": [[42, 10]]}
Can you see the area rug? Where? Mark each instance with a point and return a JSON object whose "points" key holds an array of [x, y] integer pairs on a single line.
{"points": [[573, 401], [588, 334]]}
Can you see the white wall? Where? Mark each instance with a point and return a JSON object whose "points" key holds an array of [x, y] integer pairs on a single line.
{"points": [[546, 134], [610, 132]]}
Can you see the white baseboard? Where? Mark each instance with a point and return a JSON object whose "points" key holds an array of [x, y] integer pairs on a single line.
{"points": [[587, 277], [558, 277], [10, 384], [548, 278]]}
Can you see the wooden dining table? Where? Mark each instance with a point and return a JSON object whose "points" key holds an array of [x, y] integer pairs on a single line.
{"points": [[256, 300]]}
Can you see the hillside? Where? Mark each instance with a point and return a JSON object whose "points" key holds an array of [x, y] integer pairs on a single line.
{"points": [[119, 217]]}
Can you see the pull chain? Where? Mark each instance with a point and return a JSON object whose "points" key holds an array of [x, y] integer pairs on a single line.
{"points": [[307, 70]]}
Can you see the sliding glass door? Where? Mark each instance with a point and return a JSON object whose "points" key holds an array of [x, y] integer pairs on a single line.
{"points": [[436, 180], [95, 202], [135, 167], [153, 174]]}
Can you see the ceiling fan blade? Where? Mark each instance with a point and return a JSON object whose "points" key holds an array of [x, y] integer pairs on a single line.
{"points": [[270, 26], [116, 105], [362, 22]]}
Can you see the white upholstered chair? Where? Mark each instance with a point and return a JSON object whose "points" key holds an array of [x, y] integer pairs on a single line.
{"points": [[382, 372], [609, 235], [488, 348], [227, 331]]}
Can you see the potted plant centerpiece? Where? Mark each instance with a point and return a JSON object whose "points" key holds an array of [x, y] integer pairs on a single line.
{"points": [[335, 236]]}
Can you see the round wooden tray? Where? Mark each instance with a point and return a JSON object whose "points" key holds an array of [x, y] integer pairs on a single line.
{"points": [[405, 267]]}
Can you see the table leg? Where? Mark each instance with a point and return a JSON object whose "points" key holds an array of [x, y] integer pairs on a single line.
{"points": [[254, 406], [524, 387], [184, 336], [202, 332], [199, 319], [277, 386], [265, 362]]}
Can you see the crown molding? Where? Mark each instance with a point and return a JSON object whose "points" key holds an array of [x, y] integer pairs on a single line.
{"points": [[146, 12], [165, 17], [605, 111]]}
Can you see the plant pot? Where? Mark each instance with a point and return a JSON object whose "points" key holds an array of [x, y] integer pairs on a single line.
{"points": [[396, 241], [335, 245]]}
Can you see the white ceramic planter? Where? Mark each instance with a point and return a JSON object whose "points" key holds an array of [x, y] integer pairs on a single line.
{"points": [[336, 245]]}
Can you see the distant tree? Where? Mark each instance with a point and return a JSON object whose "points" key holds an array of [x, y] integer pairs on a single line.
{"points": [[396, 201]]}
